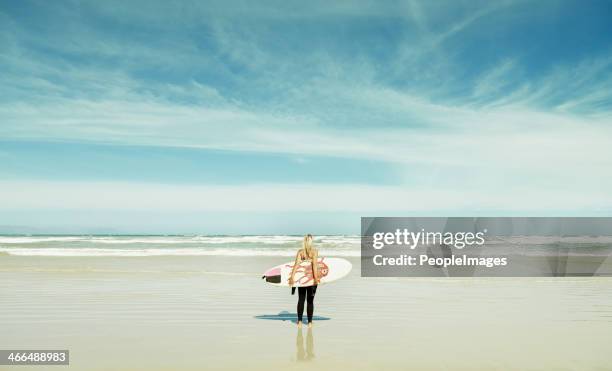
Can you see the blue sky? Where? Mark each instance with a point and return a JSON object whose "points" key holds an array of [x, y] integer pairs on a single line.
{"points": [[290, 117]]}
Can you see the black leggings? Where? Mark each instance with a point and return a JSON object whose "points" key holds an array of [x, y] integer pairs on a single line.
{"points": [[306, 293]]}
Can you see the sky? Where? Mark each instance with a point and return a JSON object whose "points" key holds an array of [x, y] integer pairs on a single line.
{"points": [[241, 117]]}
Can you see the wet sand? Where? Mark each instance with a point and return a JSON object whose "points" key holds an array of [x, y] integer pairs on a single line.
{"points": [[170, 313]]}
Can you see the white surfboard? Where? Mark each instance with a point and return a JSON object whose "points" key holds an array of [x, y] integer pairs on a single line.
{"points": [[330, 269]]}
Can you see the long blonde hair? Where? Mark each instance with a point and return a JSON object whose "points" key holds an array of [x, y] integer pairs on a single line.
{"points": [[307, 246]]}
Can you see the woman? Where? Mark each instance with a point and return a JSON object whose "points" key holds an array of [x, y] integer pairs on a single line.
{"points": [[306, 254]]}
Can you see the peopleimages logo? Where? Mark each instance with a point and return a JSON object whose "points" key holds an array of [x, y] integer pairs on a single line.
{"points": [[402, 237], [485, 247]]}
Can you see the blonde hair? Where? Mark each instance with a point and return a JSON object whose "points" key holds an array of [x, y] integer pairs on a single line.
{"points": [[307, 245]]}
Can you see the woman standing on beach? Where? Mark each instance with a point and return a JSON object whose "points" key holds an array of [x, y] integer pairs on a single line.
{"points": [[306, 254]]}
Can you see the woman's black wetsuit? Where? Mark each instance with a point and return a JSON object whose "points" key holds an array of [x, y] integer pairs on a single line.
{"points": [[306, 294]]}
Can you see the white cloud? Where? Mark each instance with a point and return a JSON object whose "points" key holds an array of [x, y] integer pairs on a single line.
{"points": [[533, 146]]}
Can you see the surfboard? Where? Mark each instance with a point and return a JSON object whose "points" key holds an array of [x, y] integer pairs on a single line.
{"points": [[330, 270]]}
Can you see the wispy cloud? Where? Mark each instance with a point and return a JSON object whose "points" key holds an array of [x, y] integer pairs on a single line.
{"points": [[494, 81]]}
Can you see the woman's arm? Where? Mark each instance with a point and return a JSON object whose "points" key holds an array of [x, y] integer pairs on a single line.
{"points": [[295, 265], [315, 267]]}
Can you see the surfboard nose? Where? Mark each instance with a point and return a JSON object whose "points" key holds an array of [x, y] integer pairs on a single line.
{"points": [[272, 275], [273, 279], [273, 272]]}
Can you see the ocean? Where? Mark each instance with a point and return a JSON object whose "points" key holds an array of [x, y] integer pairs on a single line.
{"points": [[174, 245], [262, 245]]}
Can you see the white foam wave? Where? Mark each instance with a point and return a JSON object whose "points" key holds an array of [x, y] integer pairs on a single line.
{"points": [[279, 245], [26, 240], [170, 240], [21, 251]]}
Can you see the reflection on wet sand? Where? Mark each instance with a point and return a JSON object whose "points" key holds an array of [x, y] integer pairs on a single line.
{"points": [[286, 316], [301, 355]]}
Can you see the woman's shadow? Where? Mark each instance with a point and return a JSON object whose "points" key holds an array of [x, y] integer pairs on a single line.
{"points": [[286, 316], [301, 354]]}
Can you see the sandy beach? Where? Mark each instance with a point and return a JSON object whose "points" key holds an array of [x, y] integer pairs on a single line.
{"points": [[200, 312]]}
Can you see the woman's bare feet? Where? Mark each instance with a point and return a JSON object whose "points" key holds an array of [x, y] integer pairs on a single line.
{"points": [[309, 324], [299, 324]]}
